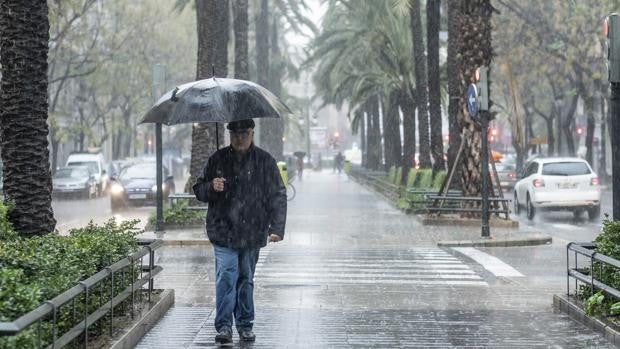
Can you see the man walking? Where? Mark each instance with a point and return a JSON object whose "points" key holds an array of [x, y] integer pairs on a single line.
{"points": [[247, 208]]}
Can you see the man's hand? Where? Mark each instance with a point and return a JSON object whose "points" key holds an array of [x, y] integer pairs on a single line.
{"points": [[274, 238], [218, 184]]}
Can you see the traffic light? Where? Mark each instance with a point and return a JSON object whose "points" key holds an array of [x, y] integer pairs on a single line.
{"points": [[483, 88], [611, 30]]}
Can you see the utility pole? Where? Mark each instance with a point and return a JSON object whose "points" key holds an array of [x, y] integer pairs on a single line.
{"points": [[483, 101], [612, 32], [159, 77]]}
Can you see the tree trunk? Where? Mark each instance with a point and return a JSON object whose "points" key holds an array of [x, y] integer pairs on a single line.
{"points": [[24, 36], [266, 131], [203, 135], [273, 137], [568, 126], [407, 106], [421, 94], [241, 39], [391, 127], [434, 81], [602, 166], [360, 114], [378, 136], [475, 50], [456, 90]]}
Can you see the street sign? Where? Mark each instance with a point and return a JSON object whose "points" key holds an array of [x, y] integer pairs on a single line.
{"points": [[472, 100]]}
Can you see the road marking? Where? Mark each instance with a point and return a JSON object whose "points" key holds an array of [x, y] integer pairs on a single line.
{"points": [[490, 263], [388, 266]]}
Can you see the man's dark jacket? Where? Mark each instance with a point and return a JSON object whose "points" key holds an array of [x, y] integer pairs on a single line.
{"points": [[253, 203]]}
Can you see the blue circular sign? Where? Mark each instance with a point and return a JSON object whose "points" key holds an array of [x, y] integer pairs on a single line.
{"points": [[472, 100]]}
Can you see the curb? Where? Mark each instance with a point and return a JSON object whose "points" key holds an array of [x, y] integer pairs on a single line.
{"points": [[133, 335], [469, 222], [187, 242], [515, 242], [562, 304]]}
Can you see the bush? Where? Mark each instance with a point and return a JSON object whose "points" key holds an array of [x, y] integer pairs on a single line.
{"points": [[440, 177], [391, 174], [412, 177], [178, 214], [426, 179], [39, 268], [607, 243]]}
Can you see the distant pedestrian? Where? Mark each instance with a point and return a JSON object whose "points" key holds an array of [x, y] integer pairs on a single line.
{"points": [[247, 208], [300, 166], [338, 162]]}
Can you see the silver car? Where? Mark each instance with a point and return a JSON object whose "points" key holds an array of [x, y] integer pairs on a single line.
{"points": [[75, 181]]}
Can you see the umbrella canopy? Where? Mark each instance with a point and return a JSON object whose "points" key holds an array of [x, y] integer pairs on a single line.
{"points": [[300, 154], [215, 100]]}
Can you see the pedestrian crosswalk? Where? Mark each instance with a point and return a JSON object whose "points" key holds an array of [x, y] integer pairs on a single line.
{"points": [[380, 266]]}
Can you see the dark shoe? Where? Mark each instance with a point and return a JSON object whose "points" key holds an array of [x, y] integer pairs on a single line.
{"points": [[247, 335], [224, 336]]}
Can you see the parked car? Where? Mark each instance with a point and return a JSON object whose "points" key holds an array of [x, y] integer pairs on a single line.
{"points": [[558, 184], [137, 185], [74, 181], [507, 175], [96, 163]]}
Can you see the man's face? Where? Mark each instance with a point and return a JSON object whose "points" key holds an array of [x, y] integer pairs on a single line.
{"points": [[241, 139]]}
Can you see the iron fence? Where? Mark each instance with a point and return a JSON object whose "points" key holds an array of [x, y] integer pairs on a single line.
{"points": [[586, 274], [89, 301]]}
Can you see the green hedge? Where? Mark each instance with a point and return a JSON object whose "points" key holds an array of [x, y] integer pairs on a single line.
{"points": [[178, 214], [39, 268], [440, 177], [392, 174], [608, 244]]}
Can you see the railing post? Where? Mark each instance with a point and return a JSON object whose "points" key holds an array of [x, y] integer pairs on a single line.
{"points": [[567, 272], [592, 273], [54, 326], [151, 267]]}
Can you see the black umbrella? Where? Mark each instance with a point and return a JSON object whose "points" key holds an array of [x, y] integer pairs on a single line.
{"points": [[299, 154], [215, 100]]}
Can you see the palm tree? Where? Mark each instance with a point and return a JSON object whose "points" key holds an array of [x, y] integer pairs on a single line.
{"points": [[212, 51], [475, 50], [24, 36], [455, 89], [421, 94], [363, 52], [434, 80]]}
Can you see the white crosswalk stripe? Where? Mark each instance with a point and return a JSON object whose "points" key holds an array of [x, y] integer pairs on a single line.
{"points": [[311, 266]]}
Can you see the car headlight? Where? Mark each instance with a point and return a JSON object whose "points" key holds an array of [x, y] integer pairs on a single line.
{"points": [[116, 189], [154, 187]]}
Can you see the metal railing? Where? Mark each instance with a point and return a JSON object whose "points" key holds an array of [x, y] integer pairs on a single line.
{"points": [[106, 282], [434, 200], [587, 276]]}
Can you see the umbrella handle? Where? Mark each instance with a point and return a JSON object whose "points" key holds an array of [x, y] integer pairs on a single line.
{"points": [[174, 97]]}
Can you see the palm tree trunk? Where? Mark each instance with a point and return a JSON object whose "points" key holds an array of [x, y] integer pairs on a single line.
{"points": [[455, 88], [360, 114], [475, 51], [262, 65], [241, 39], [391, 125], [24, 36], [421, 94], [212, 50], [434, 81], [376, 148], [275, 142], [408, 107]]}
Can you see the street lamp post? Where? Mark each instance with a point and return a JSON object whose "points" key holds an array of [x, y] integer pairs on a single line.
{"points": [[612, 32]]}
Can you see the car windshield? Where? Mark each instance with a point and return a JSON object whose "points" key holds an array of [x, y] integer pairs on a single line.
{"points": [[505, 167], [139, 171], [92, 165], [75, 173], [565, 169]]}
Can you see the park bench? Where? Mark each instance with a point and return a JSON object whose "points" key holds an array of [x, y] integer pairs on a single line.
{"points": [[438, 204]]}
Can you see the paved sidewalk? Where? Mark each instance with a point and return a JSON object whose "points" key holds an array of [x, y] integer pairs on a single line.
{"points": [[354, 272]]}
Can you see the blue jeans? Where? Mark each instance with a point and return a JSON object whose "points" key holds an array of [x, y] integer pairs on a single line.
{"points": [[234, 286]]}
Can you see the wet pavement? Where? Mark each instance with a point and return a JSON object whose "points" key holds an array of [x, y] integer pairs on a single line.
{"points": [[354, 272]]}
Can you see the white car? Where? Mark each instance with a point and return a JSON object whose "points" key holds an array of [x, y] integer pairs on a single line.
{"points": [[558, 184]]}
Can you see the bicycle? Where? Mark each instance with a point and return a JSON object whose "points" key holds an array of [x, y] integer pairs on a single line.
{"points": [[290, 189]]}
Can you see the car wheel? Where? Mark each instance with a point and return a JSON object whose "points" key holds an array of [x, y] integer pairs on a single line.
{"points": [[577, 213], [594, 212], [531, 210], [517, 206]]}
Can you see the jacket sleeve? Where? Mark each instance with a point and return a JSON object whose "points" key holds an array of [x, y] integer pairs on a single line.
{"points": [[276, 200], [202, 189]]}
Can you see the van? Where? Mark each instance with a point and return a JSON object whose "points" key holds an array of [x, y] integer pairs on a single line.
{"points": [[97, 165]]}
